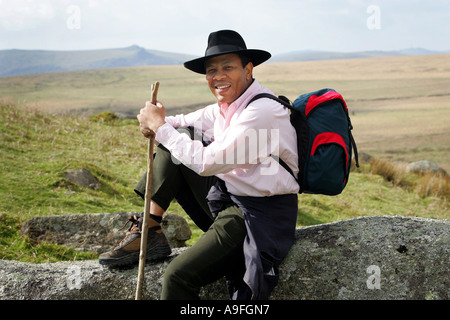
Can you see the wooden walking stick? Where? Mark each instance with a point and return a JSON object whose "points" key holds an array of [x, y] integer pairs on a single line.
{"points": [[148, 198]]}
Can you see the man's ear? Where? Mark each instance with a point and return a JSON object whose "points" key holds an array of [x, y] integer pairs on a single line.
{"points": [[249, 71]]}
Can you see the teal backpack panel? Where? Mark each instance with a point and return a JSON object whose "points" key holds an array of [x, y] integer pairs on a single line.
{"points": [[324, 140]]}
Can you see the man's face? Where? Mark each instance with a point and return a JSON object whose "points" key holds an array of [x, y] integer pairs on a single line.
{"points": [[226, 77]]}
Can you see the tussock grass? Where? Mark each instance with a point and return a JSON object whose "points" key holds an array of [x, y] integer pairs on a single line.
{"points": [[432, 185], [425, 185]]}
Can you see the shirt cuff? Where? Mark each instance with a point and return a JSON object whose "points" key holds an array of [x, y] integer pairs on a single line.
{"points": [[164, 133]]}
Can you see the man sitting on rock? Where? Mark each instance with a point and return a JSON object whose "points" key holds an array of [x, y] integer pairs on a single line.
{"points": [[219, 164]]}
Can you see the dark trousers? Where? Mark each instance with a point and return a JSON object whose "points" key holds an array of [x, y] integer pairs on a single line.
{"points": [[219, 252], [172, 180]]}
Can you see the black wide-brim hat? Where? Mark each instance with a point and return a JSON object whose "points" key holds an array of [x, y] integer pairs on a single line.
{"points": [[226, 42]]}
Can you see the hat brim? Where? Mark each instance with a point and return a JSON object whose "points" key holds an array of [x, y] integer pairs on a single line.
{"points": [[256, 56]]}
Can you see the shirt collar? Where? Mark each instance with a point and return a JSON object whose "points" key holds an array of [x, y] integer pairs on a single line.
{"points": [[250, 92]]}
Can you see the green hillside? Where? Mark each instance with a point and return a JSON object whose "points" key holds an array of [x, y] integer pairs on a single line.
{"points": [[38, 148]]}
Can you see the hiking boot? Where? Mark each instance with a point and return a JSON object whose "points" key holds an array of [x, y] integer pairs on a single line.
{"points": [[128, 250]]}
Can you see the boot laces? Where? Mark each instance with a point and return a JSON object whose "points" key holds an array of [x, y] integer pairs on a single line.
{"points": [[134, 224], [134, 228]]}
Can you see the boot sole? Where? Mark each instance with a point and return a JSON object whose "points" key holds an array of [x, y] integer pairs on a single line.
{"points": [[156, 253]]}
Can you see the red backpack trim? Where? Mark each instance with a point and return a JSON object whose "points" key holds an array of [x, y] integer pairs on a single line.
{"points": [[314, 100], [329, 137]]}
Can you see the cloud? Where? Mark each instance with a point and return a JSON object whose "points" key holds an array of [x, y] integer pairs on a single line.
{"points": [[184, 25], [22, 14]]}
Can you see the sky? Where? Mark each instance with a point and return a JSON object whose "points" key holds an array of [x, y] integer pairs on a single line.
{"points": [[183, 26]]}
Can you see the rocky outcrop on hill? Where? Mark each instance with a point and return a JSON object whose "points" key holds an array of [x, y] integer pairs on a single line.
{"points": [[382, 257], [97, 232], [83, 178], [425, 166]]}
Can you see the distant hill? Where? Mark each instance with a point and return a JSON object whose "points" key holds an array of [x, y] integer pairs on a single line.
{"points": [[21, 62], [311, 55]]}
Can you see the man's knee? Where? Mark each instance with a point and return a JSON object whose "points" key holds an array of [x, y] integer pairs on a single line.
{"points": [[230, 226], [178, 282], [171, 276]]}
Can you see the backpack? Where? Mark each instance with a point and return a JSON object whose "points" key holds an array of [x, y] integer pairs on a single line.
{"points": [[324, 140]]}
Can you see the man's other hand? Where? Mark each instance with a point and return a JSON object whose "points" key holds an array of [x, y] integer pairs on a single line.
{"points": [[151, 118]]}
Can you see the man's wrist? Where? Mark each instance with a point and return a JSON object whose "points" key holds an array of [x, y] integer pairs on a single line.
{"points": [[159, 126]]}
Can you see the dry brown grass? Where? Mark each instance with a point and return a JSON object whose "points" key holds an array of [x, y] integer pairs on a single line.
{"points": [[432, 185], [427, 184]]}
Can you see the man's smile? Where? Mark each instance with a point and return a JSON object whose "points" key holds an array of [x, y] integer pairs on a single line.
{"points": [[222, 87]]}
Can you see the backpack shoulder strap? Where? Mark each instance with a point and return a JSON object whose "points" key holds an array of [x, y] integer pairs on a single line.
{"points": [[284, 165], [285, 102], [281, 99]]}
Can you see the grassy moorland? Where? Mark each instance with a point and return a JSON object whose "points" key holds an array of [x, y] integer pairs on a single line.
{"points": [[395, 116], [399, 105]]}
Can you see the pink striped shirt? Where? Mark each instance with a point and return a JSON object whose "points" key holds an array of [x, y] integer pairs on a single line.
{"points": [[242, 141]]}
